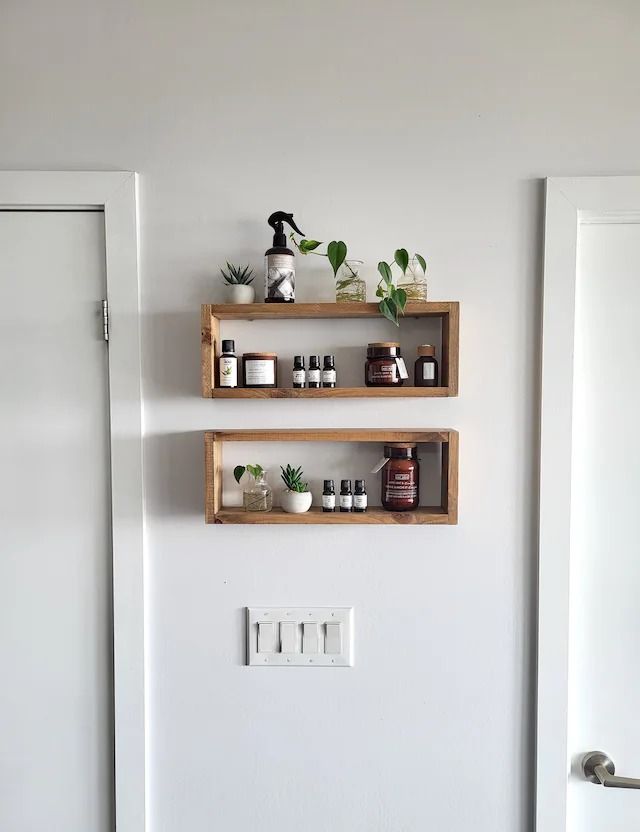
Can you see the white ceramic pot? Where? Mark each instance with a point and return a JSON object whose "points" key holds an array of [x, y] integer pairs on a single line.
{"points": [[241, 293], [295, 502]]}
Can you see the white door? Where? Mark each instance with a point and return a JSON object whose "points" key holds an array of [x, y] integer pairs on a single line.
{"points": [[56, 656], [589, 686]]}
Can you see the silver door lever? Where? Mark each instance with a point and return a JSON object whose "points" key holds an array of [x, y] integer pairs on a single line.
{"points": [[598, 767]]}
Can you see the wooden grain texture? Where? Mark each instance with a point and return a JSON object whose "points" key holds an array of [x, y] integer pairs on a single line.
{"points": [[451, 349], [449, 479], [315, 516], [333, 435], [447, 513], [207, 351], [329, 393], [288, 311]]}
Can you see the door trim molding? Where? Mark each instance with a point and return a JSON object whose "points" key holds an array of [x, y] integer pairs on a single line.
{"points": [[116, 193], [570, 202]]}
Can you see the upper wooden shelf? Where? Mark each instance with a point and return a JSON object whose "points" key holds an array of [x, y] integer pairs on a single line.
{"points": [[287, 311], [212, 314]]}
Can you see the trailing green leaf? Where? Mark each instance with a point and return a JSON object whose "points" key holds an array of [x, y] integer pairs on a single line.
{"points": [[306, 246], [402, 259], [240, 470], [422, 262], [385, 271], [337, 254]]}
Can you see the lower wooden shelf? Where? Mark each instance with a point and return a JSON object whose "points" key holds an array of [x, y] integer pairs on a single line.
{"points": [[330, 392], [315, 516], [444, 514]]}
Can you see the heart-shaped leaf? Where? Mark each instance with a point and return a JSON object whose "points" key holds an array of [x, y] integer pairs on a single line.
{"points": [[337, 254], [388, 308], [400, 299], [238, 472], [422, 262], [308, 245], [385, 271], [402, 259]]}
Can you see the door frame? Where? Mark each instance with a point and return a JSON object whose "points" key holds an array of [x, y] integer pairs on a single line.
{"points": [[116, 193], [570, 202]]}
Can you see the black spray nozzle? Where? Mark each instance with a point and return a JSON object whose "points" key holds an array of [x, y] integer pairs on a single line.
{"points": [[276, 221]]}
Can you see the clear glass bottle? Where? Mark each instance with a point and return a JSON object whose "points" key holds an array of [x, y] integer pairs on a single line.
{"points": [[350, 287], [257, 496], [414, 282]]}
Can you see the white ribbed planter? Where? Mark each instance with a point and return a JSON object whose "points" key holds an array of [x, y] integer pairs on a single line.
{"points": [[240, 293], [295, 502]]}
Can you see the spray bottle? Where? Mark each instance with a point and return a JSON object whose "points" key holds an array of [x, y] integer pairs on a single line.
{"points": [[280, 270]]}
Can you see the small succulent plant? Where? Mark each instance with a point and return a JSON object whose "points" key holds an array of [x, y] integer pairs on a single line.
{"points": [[292, 478], [237, 275]]}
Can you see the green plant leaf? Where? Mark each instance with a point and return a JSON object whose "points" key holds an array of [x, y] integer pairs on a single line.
{"points": [[402, 259], [422, 262], [379, 291], [385, 271], [337, 254], [388, 308], [255, 471], [308, 245], [238, 472], [400, 299]]}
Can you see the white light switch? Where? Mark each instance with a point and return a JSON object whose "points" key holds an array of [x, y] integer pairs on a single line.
{"points": [[265, 637], [288, 637], [333, 637], [310, 637], [300, 636]]}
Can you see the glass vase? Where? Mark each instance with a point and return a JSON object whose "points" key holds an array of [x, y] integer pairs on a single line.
{"points": [[350, 287], [257, 496], [414, 282]]}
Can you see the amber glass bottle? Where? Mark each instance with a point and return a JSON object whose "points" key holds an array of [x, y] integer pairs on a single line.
{"points": [[426, 367], [401, 477]]}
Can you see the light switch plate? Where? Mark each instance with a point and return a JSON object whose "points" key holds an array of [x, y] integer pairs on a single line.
{"points": [[309, 642]]}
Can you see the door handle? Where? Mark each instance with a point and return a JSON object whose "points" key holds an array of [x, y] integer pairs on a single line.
{"points": [[598, 768]]}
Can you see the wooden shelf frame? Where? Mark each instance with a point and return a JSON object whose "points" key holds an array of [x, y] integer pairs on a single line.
{"points": [[444, 514], [212, 314]]}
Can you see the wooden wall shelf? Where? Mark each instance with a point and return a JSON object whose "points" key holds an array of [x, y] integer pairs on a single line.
{"points": [[445, 513], [448, 311]]}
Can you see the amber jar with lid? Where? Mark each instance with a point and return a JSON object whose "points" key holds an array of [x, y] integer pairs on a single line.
{"points": [[426, 367], [401, 477], [384, 366], [260, 369]]}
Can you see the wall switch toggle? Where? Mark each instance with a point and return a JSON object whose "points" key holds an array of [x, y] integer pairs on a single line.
{"points": [[300, 636]]}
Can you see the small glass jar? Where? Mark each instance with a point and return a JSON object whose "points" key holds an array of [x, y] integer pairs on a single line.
{"points": [[401, 477], [350, 287], [426, 367], [258, 496], [384, 366], [260, 369], [414, 282]]}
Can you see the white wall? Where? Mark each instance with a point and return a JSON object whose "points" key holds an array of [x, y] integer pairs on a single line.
{"points": [[424, 124]]}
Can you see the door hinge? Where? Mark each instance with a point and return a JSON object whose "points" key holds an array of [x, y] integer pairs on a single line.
{"points": [[105, 320]]}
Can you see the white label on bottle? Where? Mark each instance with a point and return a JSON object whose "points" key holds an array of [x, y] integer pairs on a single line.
{"points": [[298, 376], [329, 501], [359, 500], [314, 375], [402, 369], [280, 277], [259, 371], [428, 371], [228, 371], [328, 376], [346, 501]]}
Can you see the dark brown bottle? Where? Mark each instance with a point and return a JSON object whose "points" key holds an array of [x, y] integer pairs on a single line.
{"points": [[426, 367], [401, 477]]}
